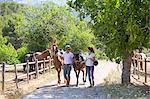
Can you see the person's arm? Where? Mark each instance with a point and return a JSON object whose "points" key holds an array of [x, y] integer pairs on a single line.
{"points": [[93, 57], [72, 56]]}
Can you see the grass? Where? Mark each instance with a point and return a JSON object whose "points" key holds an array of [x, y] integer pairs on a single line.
{"points": [[126, 91], [113, 87]]}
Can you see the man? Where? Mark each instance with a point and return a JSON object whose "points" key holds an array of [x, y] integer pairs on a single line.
{"points": [[68, 59]]}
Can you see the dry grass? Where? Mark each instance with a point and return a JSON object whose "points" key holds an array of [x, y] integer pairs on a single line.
{"points": [[127, 91], [25, 88], [114, 88], [114, 76]]}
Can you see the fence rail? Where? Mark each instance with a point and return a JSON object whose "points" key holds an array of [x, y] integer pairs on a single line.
{"points": [[137, 63], [46, 66]]}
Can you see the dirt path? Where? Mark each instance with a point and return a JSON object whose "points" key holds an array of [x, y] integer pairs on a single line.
{"points": [[51, 91]]}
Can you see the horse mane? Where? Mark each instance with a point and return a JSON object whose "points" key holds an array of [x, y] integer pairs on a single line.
{"points": [[45, 51]]}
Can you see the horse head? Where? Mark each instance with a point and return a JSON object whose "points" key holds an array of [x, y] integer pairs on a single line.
{"points": [[76, 60]]}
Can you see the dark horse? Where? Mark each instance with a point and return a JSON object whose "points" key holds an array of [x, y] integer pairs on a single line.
{"points": [[79, 65], [30, 58]]}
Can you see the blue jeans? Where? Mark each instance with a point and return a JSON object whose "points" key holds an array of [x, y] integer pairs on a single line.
{"points": [[90, 72], [67, 69]]}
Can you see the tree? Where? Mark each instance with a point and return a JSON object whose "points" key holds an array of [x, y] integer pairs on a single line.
{"points": [[52, 21], [8, 53], [13, 20], [121, 25], [31, 28]]}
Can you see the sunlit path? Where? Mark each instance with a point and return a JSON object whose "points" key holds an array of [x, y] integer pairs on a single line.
{"points": [[52, 91]]}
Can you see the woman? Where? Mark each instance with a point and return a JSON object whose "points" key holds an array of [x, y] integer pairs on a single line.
{"points": [[90, 57]]}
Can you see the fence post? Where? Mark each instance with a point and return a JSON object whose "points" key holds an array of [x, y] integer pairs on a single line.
{"points": [[134, 66], [27, 65], [138, 66], [145, 71], [3, 77], [37, 69], [16, 76], [44, 66], [50, 64]]}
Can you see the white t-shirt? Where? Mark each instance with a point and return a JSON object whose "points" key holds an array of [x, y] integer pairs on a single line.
{"points": [[88, 61], [143, 55], [68, 57], [60, 54]]}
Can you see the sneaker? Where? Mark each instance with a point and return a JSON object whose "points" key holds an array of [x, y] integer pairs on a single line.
{"points": [[90, 86]]}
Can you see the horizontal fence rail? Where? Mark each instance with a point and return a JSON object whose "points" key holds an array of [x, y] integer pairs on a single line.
{"points": [[47, 65]]}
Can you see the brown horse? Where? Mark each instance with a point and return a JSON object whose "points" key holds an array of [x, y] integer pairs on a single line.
{"points": [[57, 60], [79, 65], [41, 56]]}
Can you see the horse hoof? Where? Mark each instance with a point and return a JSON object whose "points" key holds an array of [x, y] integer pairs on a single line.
{"points": [[58, 85]]}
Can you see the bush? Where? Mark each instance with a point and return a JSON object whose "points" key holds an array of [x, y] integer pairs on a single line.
{"points": [[21, 53], [8, 53]]}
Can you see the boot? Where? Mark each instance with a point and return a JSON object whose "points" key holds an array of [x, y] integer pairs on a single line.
{"points": [[93, 83], [68, 81], [65, 80]]}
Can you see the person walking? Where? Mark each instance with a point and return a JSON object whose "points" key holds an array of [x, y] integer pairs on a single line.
{"points": [[89, 62], [68, 59]]}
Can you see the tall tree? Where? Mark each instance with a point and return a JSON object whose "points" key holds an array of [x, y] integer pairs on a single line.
{"points": [[121, 25], [13, 19], [52, 21]]}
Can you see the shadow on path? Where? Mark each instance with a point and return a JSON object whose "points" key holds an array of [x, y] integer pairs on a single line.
{"points": [[62, 92]]}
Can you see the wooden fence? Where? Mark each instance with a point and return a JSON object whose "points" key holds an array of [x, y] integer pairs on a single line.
{"points": [[136, 67], [46, 66]]}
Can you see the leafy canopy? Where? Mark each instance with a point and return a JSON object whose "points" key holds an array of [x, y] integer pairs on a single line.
{"points": [[121, 25]]}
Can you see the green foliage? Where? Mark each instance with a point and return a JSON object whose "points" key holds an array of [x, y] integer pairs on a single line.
{"points": [[13, 22], [7, 52], [32, 28], [57, 22], [21, 53], [121, 25]]}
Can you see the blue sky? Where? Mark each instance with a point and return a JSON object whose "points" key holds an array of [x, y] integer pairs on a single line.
{"points": [[59, 2]]}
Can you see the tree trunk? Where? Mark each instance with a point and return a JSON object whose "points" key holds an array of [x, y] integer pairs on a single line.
{"points": [[126, 68]]}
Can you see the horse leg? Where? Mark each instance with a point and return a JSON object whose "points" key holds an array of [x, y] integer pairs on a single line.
{"points": [[24, 68], [85, 74], [58, 71], [78, 78], [141, 65], [83, 77]]}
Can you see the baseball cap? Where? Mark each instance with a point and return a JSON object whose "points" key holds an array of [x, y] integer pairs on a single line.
{"points": [[67, 46]]}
